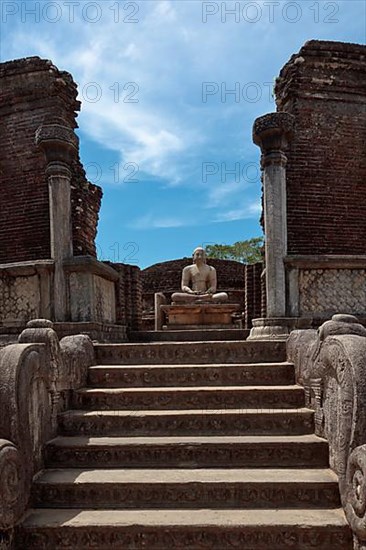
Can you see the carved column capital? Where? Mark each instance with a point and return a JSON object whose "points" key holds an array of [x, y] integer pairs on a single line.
{"points": [[60, 144], [272, 133]]}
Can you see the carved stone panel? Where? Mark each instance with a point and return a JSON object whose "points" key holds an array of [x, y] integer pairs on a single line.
{"points": [[104, 300], [92, 298], [332, 290], [19, 298]]}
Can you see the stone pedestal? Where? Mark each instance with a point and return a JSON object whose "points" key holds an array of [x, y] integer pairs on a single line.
{"points": [[199, 316]]}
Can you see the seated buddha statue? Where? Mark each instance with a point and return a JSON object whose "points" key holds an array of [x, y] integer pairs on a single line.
{"points": [[199, 282]]}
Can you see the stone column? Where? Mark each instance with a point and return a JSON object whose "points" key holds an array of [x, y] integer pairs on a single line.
{"points": [[60, 145], [272, 133]]}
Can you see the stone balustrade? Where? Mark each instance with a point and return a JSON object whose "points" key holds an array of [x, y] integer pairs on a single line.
{"points": [[330, 364], [37, 376]]}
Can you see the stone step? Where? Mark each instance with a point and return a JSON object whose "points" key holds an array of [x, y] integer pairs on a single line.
{"points": [[191, 352], [188, 335], [219, 397], [300, 529], [261, 374], [128, 489], [187, 422], [302, 451]]}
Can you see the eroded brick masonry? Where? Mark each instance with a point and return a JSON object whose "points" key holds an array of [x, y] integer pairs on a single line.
{"points": [[34, 92], [324, 87]]}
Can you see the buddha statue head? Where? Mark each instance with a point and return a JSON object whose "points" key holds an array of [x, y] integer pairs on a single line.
{"points": [[199, 255]]}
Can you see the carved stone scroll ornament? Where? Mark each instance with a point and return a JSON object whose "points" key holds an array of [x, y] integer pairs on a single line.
{"points": [[12, 494], [32, 374], [355, 501], [26, 407], [77, 355], [40, 331], [68, 360], [331, 365]]}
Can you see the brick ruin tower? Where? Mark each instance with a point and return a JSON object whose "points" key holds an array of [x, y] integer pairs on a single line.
{"points": [[314, 175], [35, 93], [49, 212]]}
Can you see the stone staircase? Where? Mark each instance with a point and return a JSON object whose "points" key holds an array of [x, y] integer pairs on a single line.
{"points": [[203, 445]]}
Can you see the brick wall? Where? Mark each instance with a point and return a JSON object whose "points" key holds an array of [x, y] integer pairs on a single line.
{"points": [[253, 293], [86, 199], [324, 87], [35, 92], [128, 295]]}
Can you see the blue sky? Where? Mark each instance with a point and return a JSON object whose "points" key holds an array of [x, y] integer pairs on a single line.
{"points": [[159, 129]]}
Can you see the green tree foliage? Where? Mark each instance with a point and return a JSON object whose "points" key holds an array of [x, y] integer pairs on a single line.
{"points": [[247, 252]]}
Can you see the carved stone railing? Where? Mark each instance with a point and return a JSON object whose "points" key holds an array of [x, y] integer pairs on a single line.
{"points": [[37, 376], [331, 364]]}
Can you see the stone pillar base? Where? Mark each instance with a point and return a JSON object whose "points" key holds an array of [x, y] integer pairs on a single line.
{"points": [[276, 328]]}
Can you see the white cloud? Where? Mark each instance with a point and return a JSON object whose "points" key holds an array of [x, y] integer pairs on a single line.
{"points": [[166, 131], [145, 140], [132, 52], [252, 210], [219, 192], [164, 11], [168, 54], [150, 222]]}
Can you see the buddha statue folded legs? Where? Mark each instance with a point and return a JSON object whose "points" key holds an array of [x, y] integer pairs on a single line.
{"points": [[187, 298]]}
